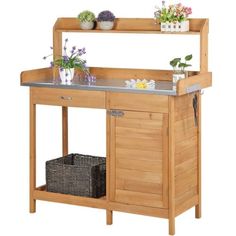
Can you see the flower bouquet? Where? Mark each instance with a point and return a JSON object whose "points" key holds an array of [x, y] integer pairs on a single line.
{"points": [[173, 18], [68, 62]]}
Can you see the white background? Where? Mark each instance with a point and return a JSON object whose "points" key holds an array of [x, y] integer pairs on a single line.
{"points": [[26, 34]]}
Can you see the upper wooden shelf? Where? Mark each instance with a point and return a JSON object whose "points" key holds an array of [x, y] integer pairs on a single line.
{"points": [[128, 25]]}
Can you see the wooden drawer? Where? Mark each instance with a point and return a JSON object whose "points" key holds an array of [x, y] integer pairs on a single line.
{"points": [[68, 97], [138, 102]]}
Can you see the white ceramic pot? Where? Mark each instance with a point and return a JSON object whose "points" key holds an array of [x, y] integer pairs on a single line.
{"points": [[87, 25], [66, 75], [106, 25]]}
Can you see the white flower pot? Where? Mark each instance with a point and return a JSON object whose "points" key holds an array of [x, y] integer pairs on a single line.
{"points": [[176, 78], [87, 25], [106, 25], [175, 27], [184, 26], [168, 27], [163, 27], [66, 75]]}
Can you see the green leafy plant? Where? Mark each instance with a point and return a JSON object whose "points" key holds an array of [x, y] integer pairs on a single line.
{"points": [[179, 66], [86, 16]]}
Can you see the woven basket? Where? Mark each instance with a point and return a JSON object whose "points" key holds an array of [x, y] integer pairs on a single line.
{"points": [[77, 174]]}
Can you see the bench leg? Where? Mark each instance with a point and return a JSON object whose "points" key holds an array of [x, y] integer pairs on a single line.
{"points": [[109, 217], [32, 159], [171, 226]]}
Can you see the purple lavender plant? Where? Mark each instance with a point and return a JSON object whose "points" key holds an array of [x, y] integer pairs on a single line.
{"points": [[69, 60], [106, 16]]}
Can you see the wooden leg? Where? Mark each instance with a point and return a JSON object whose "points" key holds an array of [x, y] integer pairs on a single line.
{"points": [[198, 209], [109, 217], [172, 226], [64, 131], [32, 156], [171, 167]]}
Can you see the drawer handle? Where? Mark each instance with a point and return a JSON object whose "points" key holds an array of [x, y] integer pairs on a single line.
{"points": [[66, 98], [116, 113]]}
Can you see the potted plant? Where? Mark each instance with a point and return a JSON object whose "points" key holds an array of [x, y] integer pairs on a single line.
{"points": [[106, 20], [179, 68], [173, 18], [87, 19], [68, 62]]}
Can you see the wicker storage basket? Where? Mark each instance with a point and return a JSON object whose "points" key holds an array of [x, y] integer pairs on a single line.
{"points": [[77, 174]]}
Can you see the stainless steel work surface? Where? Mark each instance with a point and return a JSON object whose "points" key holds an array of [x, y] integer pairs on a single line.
{"points": [[114, 85]]}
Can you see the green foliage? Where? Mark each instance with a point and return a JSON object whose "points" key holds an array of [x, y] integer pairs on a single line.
{"points": [[175, 62], [188, 57], [86, 16], [178, 65], [70, 62]]}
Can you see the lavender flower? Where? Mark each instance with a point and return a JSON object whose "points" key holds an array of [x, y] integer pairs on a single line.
{"points": [[81, 51], [65, 58], [106, 16], [69, 60]]}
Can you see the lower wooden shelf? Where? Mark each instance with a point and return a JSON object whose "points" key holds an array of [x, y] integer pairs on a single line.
{"points": [[41, 194]]}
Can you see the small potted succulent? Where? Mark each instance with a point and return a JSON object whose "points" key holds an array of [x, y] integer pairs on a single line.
{"points": [[173, 18], [68, 62], [87, 19], [106, 20], [179, 68]]}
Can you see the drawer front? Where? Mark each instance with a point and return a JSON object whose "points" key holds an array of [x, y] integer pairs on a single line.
{"points": [[139, 102], [68, 97]]}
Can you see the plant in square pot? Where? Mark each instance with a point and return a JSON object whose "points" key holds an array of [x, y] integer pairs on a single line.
{"points": [[68, 62], [173, 18], [164, 16], [86, 19], [179, 71], [106, 20]]}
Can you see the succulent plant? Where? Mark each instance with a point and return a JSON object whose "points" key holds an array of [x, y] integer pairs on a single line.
{"points": [[86, 16], [105, 16]]}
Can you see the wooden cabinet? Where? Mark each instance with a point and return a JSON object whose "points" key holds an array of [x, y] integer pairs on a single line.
{"points": [[139, 144]]}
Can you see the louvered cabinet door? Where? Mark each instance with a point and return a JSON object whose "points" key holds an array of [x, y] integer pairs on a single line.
{"points": [[138, 158]]}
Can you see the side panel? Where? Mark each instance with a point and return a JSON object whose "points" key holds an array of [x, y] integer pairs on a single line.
{"points": [[186, 154]]}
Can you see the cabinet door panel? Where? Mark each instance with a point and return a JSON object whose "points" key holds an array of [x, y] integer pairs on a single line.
{"points": [[139, 159]]}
